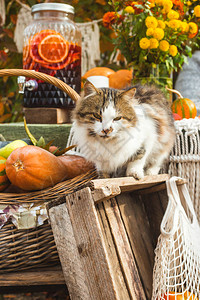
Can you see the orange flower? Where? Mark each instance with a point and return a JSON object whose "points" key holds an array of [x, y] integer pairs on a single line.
{"points": [[178, 4], [111, 18]]}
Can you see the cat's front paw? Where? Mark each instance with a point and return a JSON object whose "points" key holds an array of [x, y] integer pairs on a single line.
{"points": [[137, 174], [153, 171]]}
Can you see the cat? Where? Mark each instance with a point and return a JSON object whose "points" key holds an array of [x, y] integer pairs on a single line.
{"points": [[131, 130]]}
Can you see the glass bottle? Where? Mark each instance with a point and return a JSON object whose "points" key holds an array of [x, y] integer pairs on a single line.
{"points": [[52, 45]]}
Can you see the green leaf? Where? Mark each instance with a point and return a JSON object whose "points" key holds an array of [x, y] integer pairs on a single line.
{"points": [[41, 142]]}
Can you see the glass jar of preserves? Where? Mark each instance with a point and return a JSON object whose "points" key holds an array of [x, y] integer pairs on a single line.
{"points": [[52, 45]]}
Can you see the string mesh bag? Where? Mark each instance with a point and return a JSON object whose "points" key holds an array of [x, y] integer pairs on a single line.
{"points": [[176, 273], [184, 159]]}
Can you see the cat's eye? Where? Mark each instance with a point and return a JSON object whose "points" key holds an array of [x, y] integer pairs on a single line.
{"points": [[117, 118], [97, 116]]}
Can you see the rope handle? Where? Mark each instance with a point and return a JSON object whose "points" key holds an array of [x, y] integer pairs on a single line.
{"points": [[174, 201], [47, 78]]}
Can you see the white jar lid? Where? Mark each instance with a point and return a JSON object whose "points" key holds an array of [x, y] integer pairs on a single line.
{"points": [[52, 6], [99, 81]]}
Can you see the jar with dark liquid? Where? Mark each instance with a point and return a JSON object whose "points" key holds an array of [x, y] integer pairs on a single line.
{"points": [[52, 45]]}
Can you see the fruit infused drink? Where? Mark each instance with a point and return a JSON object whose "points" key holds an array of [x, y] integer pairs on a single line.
{"points": [[52, 46]]}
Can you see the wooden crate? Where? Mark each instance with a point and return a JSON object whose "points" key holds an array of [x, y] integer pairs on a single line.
{"points": [[106, 234], [46, 115]]}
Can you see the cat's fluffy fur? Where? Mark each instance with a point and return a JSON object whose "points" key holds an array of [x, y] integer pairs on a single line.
{"points": [[131, 129]]}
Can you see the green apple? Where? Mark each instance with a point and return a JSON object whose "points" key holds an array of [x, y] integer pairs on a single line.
{"points": [[6, 150]]}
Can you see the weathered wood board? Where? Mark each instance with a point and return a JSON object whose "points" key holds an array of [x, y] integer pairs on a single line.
{"points": [[43, 115]]}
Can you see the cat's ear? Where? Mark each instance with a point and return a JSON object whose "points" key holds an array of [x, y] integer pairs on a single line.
{"points": [[89, 88], [129, 94]]}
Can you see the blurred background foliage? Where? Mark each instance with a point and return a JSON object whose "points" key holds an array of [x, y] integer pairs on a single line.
{"points": [[10, 99]]}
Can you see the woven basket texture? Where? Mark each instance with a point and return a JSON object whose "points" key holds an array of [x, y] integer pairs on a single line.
{"points": [[26, 249], [185, 158]]}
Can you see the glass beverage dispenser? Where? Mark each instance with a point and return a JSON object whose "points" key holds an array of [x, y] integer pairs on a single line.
{"points": [[52, 45]]}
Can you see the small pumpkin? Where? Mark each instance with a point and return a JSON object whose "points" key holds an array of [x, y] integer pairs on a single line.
{"points": [[33, 168], [184, 107], [98, 71], [4, 182], [120, 79]]}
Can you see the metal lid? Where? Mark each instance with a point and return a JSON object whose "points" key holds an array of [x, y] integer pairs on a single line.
{"points": [[52, 6]]}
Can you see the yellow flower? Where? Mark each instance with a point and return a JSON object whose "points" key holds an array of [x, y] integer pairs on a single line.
{"points": [[144, 43], [184, 26], [153, 43], [189, 3], [173, 50], [149, 31], [129, 10], [197, 11], [175, 24], [161, 24], [172, 14], [164, 45], [158, 34], [193, 28], [167, 6], [151, 22]]}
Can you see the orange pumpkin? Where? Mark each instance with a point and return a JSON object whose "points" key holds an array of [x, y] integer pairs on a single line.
{"points": [[185, 296], [98, 71], [33, 168], [4, 182], [120, 79], [184, 107]]}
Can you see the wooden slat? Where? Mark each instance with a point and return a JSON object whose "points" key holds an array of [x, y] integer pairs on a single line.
{"points": [[31, 278], [116, 269], [155, 212], [68, 252], [91, 247], [139, 233], [128, 184], [160, 187], [105, 193], [125, 254]]}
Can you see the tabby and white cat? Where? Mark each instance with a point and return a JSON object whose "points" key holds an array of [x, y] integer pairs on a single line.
{"points": [[131, 129]]}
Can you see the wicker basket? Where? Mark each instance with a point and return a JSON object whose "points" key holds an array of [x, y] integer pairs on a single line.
{"points": [[185, 157], [26, 249]]}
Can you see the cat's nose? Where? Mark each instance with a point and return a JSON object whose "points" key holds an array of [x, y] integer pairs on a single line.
{"points": [[106, 131]]}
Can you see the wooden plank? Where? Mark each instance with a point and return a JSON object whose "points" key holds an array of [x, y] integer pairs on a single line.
{"points": [[139, 233], [46, 115], [116, 269], [36, 277], [68, 252], [124, 251], [91, 247], [57, 132], [160, 187], [155, 212], [105, 193], [128, 184]]}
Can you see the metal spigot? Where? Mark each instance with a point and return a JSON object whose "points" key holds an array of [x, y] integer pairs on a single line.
{"points": [[31, 84]]}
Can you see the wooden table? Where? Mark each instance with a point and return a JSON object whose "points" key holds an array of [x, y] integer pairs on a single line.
{"points": [[57, 132]]}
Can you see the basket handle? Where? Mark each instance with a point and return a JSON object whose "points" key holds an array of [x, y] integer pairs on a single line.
{"points": [[39, 75]]}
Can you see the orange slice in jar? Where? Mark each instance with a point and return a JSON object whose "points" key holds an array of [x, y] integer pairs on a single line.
{"points": [[53, 48], [36, 40]]}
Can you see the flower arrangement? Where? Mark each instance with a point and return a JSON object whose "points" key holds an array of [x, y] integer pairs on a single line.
{"points": [[154, 33]]}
